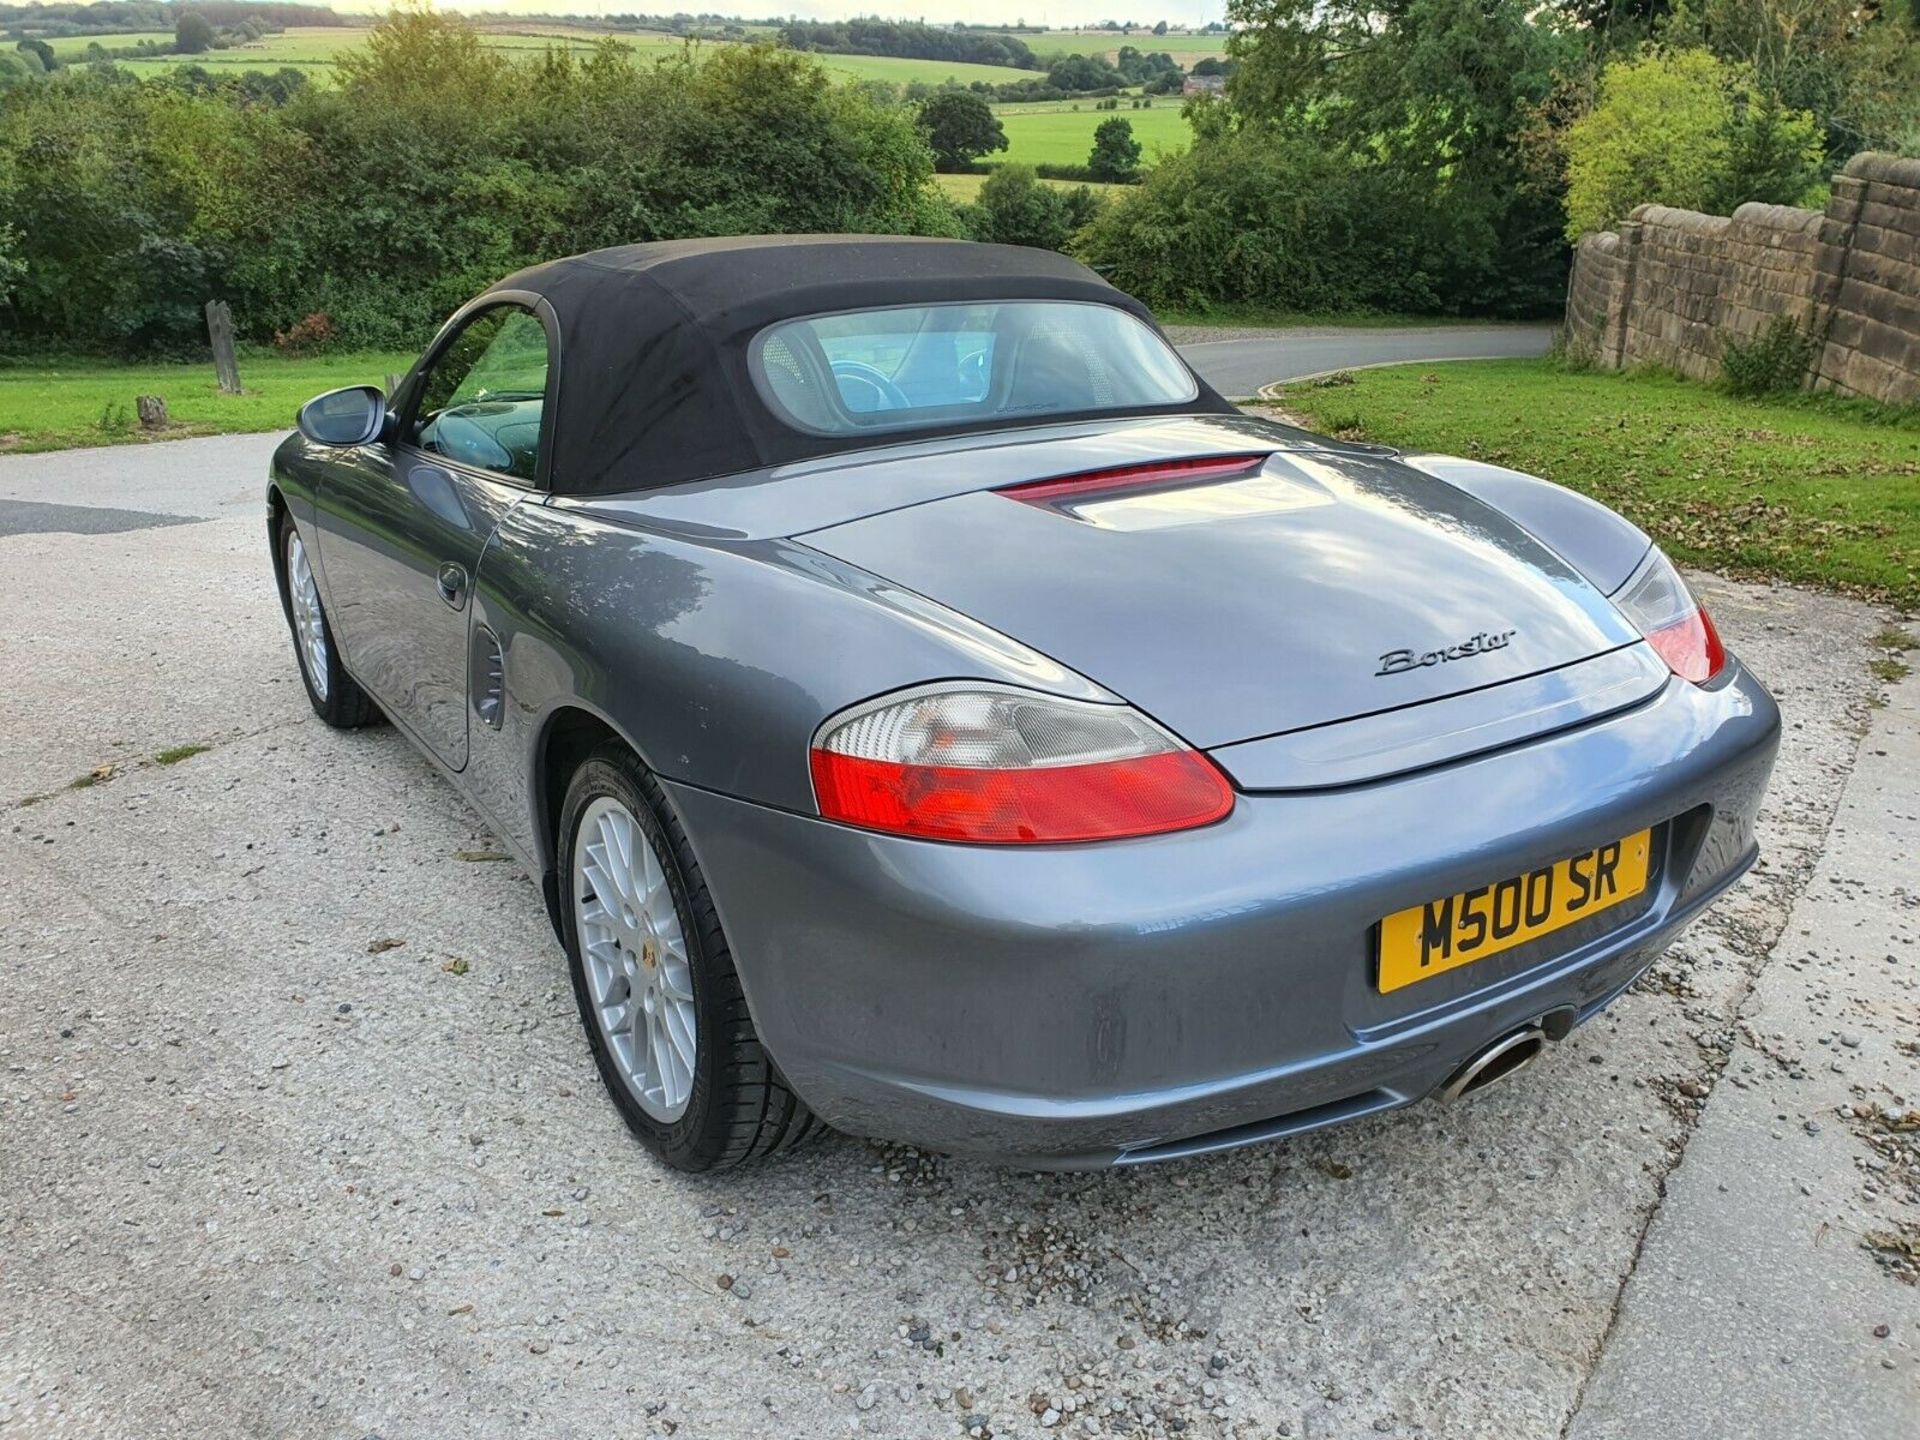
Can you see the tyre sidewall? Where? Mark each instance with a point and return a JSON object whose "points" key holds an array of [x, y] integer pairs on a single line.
{"points": [[687, 1143]]}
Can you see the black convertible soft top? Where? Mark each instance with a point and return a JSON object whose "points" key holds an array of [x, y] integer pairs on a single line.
{"points": [[652, 387]]}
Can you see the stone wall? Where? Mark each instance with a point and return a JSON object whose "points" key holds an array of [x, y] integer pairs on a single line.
{"points": [[1671, 287]]}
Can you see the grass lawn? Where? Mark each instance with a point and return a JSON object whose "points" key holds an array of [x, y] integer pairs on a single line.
{"points": [[55, 405], [1057, 134], [1799, 488]]}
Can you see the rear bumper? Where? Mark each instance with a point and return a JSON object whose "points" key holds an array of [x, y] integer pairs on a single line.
{"points": [[1089, 1005]]}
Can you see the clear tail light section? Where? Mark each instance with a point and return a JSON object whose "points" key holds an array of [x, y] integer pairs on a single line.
{"points": [[995, 765], [1659, 604]]}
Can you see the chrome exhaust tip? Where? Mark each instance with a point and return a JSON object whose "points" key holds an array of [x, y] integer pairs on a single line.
{"points": [[1506, 1056]]}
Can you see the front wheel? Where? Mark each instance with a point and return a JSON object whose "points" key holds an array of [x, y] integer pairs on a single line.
{"points": [[658, 994], [336, 698]]}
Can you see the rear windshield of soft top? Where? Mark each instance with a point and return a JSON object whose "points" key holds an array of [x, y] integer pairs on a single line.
{"points": [[925, 366]]}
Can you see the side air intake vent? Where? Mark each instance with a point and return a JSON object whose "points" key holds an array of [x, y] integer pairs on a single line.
{"points": [[489, 672]]}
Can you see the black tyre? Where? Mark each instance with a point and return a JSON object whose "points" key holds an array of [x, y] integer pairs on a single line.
{"points": [[658, 994], [336, 698]]}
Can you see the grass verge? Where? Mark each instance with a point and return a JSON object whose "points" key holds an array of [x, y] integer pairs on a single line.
{"points": [[1802, 488], [55, 405]]}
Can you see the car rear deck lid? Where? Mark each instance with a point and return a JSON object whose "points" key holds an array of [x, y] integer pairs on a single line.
{"points": [[1413, 737]]}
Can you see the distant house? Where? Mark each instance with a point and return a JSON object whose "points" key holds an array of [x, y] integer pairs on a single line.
{"points": [[1203, 85]]}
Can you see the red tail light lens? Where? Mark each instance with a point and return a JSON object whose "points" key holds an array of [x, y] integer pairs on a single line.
{"points": [[992, 765], [1658, 602]]}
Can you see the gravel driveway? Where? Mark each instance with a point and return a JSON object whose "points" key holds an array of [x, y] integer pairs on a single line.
{"points": [[300, 1136]]}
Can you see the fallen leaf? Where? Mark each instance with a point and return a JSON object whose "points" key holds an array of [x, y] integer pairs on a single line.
{"points": [[480, 857], [456, 966], [380, 947]]}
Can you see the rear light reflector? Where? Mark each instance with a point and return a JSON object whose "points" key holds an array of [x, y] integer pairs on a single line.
{"points": [[1133, 477], [1661, 606], [994, 765]]}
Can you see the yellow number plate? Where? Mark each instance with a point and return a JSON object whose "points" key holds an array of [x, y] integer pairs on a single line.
{"points": [[1446, 934]]}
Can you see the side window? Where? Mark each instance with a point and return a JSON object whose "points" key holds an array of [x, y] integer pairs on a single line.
{"points": [[481, 402]]}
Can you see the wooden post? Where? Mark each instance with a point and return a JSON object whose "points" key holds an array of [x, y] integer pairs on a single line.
{"points": [[220, 332]]}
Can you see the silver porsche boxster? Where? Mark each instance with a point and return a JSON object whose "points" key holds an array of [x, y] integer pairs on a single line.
{"points": [[932, 711]]}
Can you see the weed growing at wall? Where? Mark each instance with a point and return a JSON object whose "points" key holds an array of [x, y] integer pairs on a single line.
{"points": [[1775, 362]]}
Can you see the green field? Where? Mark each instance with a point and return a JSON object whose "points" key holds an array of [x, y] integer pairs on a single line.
{"points": [[314, 49], [1184, 48], [68, 47], [1803, 488], [53, 405], [1058, 134]]}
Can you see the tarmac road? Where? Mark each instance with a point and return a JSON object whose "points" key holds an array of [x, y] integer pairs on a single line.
{"points": [[264, 1173], [1239, 362]]}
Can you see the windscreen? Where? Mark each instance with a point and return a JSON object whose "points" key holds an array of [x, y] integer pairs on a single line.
{"points": [[917, 366]]}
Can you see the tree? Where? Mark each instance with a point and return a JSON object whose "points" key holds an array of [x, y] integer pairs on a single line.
{"points": [[1855, 67], [193, 34], [1116, 154], [960, 128], [49, 62], [1437, 92], [127, 204], [1683, 128], [1160, 28]]}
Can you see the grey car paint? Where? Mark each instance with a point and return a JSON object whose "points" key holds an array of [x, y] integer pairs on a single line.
{"points": [[1084, 1003]]}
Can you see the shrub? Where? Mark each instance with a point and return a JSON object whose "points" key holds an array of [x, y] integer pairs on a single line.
{"points": [[1265, 217], [1774, 362], [315, 332], [1015, 208]]}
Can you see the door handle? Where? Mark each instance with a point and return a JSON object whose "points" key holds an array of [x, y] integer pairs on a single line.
{"points": [[453, 584]]}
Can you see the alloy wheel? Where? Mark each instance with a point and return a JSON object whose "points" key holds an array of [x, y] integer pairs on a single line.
{"points": [[635, 956], [309, 628]]}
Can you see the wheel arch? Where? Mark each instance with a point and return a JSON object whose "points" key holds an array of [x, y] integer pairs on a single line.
{"points": [[569, 734], [277, 512]]}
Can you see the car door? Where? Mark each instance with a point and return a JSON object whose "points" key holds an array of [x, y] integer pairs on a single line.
{"points": [[401, 542]]}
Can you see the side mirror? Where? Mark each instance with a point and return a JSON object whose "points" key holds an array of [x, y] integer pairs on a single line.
{"points": [[356, 415]]}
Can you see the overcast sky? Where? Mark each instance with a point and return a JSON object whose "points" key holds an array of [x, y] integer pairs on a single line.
{"points": [[1059, 14]]}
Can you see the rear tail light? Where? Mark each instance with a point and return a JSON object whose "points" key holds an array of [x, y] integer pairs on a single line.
{"points": [[993, 765], [1658, 602]]}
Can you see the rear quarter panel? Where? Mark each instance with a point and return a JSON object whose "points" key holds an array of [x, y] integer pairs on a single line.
{"points": [[716, 663]]}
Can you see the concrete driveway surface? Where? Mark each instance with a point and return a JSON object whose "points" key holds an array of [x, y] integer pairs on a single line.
{"points": [[299, 1135]]}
